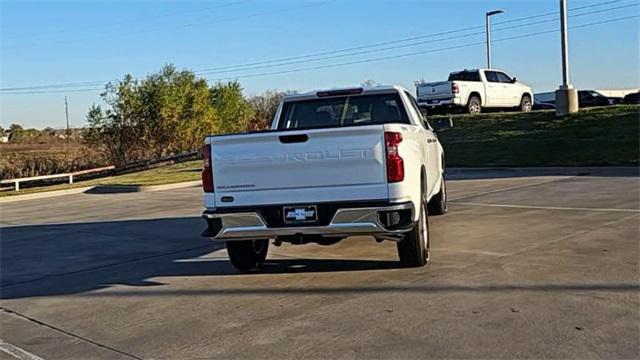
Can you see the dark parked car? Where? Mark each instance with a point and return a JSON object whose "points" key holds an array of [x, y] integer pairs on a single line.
{"points": [[614, 100], [588, 98], [633, 98], [540, 105]]}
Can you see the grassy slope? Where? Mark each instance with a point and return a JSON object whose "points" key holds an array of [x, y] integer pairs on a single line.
{"points": [[186, 171], [598, 136]]}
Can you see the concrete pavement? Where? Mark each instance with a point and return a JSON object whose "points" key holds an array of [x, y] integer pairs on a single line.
{"points": [[523, 266]]}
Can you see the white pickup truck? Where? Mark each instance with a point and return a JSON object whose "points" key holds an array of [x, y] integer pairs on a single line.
{"points": [[335, 163], [474, 90]]}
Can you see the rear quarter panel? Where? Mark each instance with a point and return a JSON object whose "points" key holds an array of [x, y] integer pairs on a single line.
{"points": [[468, 87], [411, 150]]}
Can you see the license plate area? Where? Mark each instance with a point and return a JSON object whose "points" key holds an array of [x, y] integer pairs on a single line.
{"points": [[300, 214]]}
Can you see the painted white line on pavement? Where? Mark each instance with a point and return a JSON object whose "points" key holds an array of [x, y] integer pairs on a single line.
{"points": [[509, 188], [17, 352], [545, 207]]}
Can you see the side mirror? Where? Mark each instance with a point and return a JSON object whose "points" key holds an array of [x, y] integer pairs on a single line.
{"points": [[514, 80], [443, 125]]}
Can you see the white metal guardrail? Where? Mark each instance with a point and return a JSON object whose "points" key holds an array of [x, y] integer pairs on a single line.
{"points": [[17, 182]]}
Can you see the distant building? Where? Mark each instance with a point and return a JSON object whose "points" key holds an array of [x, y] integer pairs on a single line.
{"points": [[4, 136], [73, 133]]}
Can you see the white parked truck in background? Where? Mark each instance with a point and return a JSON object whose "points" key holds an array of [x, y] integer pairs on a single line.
{"points": [[335, 163], [474, 90]]}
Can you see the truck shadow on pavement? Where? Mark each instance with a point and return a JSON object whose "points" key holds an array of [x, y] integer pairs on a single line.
{"points": [[72, 258], [133, 258]]}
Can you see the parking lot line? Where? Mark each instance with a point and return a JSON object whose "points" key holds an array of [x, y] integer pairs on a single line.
{"points": [[17, 352], [546, 207], [29, 356], [510, 188]]}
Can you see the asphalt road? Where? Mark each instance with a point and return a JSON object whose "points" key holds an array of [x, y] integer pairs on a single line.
{"points": [[523, 266]]}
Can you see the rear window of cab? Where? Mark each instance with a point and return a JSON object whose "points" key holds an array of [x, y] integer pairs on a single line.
{"points": [[353, 110], [473, 75]]}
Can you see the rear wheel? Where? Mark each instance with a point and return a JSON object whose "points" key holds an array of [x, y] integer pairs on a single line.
{"points": [[247, 255], [413, 250], [525, 103], [474, 106], [438, 203]]}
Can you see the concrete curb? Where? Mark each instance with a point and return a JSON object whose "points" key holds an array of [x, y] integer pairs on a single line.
{"points": [[44, 194], [100, 189]]}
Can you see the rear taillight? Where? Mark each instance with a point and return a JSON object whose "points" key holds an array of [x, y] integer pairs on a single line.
{"points": [[454, 88], [207, 169], [395, 164]]}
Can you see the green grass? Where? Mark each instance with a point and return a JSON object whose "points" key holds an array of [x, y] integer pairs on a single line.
{"points": [[592, 137], [186, 171]]}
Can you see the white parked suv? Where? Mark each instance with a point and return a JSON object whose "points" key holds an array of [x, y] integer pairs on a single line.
{"points": [[335, 163], [474, 90]]}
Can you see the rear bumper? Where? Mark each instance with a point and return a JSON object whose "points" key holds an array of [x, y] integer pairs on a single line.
{"points": [[346, 222], [454, 101]]}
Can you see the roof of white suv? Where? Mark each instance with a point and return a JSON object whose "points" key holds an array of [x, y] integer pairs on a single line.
{"points": [[480, 69]]}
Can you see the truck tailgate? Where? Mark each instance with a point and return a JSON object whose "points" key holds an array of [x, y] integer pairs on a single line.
{"points": [[301, 166], [436, 90]]}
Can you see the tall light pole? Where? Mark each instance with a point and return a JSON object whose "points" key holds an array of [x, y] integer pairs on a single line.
{"points": [[488, 23], [566, 95], [66, 113], [564, 40]]}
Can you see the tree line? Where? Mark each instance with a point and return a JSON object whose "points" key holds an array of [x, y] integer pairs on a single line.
{"points": [[171, 112]]}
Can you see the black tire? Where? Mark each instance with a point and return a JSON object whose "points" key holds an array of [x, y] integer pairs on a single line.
{"points": [[474, 105], [526, 104], [438, 203], [413, 250], [247, 255]]}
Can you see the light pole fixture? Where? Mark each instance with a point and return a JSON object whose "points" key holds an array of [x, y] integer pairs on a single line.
{"points": [[488, 25]]}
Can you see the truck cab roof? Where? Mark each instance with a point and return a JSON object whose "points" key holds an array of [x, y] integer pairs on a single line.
{"points": [[341, 91], [480, 69]]}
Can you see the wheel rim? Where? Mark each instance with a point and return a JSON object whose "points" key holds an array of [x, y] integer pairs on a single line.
{"points": [[527, 105], [474, 108]]}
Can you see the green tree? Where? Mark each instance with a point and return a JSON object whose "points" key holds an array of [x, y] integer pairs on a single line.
{"points": [[178, 111], [233, 111], [16, 133], [165, 113], [122, 125]]}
